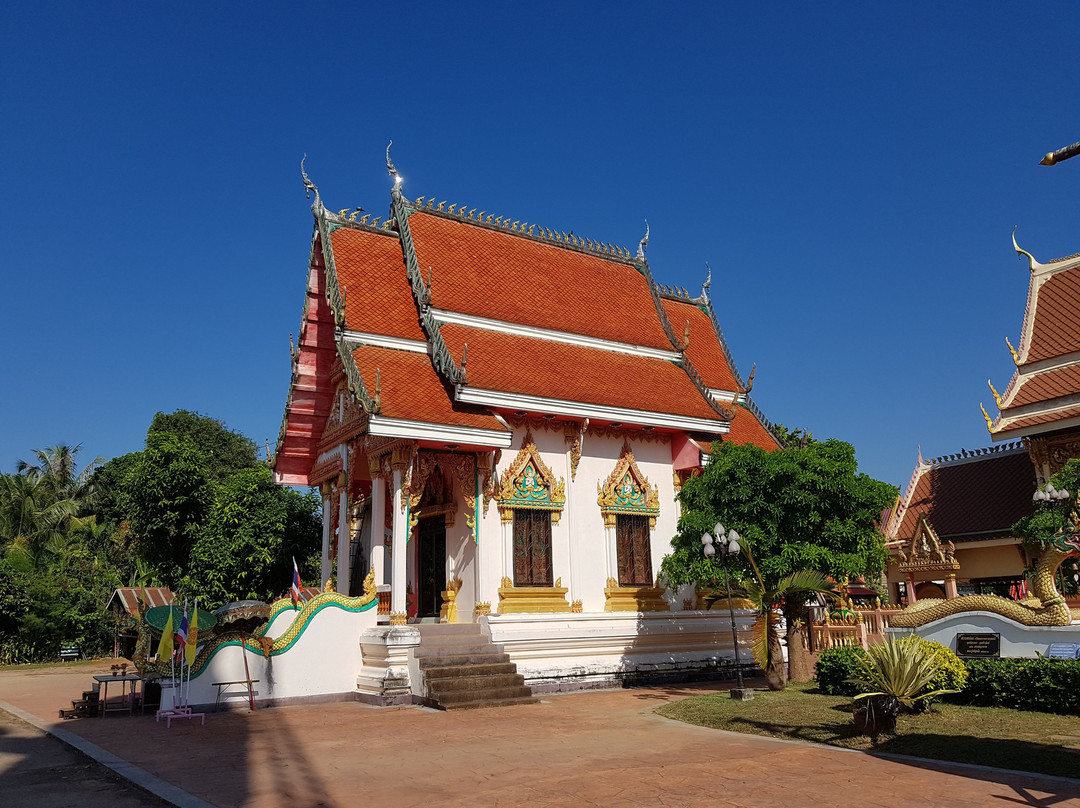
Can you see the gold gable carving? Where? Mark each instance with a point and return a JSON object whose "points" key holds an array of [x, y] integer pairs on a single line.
{"points": [[925, 552], [529, 483], [627, 491]]}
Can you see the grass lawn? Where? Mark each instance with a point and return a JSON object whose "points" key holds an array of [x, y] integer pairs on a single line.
{"points": [[991, 736]]}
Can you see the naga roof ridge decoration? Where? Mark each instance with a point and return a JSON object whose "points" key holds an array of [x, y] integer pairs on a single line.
{"points": [[503, 224], [1063, 258], [965, 455], [441, 358]]}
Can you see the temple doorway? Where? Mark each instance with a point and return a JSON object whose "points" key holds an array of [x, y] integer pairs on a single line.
{"points": [[431, 566]]}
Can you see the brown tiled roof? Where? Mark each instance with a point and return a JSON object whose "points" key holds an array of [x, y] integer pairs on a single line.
{"points": [[1038, 420], [1046, 386], [512, 278], [537, 367], [704, 350], [1056, 329], [371, 273], [410, 389], [979, 497], [746, 428]]}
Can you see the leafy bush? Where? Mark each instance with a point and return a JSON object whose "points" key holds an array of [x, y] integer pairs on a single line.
{"points": [[952, 673], [836, 667], [1046, 685]]}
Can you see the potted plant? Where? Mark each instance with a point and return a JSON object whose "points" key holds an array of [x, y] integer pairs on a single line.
{"points": [[897, 675]]}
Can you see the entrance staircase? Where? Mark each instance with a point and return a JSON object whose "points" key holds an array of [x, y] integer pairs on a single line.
{"points": [[86, 707], [462, 669]]}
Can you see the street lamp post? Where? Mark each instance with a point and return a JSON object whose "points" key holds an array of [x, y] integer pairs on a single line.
{"points": [[728, 545]]}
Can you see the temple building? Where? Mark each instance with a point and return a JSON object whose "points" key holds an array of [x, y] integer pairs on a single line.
{"points": [[950, 532], [499, 416]]}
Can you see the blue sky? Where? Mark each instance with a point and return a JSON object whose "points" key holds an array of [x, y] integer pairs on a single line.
{"points": [[852, 172]]}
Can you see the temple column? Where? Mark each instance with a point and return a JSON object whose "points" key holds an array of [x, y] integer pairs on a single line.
{"points": [[950, 587], [343, 536], [324, 568], [398, 606], [378, 520], [911, 597]]}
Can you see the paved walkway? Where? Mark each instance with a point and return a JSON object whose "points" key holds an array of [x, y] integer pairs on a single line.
{"points": [[601, 748]]}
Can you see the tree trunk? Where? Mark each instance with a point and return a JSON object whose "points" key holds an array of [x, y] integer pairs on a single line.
{"points": [[775, 671], [800, 660]]}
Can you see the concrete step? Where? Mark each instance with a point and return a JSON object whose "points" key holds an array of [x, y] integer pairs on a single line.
{"points": [[432, 630], [454, 660], [425, 650], [437, 688], [474, 705], [454, 671], [491, 694]]}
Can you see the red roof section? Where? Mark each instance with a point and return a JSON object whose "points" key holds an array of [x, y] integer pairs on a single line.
{"points": [[581, 293], [704, 350], [978, 498], [371, 276], [410, 389], [1056, 329], [538, 367], [746, 428], [1047, 386], [1039, 420]]}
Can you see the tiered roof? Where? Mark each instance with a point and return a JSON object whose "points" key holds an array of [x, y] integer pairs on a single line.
{"points": [[1044, 393], [441, 319], [967, 496]]}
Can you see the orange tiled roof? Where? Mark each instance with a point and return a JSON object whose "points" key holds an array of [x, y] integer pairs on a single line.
{"points": [[1039, 420], [581, 293], [746, 428], [973, 498], [371, 271], [704, 350], [410, 389], [1047, 386], [1056, 329], [536, 367]]}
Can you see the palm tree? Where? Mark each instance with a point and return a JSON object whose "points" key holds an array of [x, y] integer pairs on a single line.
{"points": [[766, 598], [56, 468], [32, 519]]}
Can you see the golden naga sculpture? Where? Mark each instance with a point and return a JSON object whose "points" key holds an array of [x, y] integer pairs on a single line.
{"points": [[1046, 607]]}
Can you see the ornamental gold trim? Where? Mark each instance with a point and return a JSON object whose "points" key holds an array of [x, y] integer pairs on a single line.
{"points": [[530, 484], [627, 491]]}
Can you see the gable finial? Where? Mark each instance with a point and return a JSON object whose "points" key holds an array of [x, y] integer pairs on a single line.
{"points": [[392, 170], [997, 396], [1020, 251], [705, 287], [644, 243], [310, 186]]}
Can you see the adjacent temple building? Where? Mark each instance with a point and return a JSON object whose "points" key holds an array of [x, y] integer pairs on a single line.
{"points": [[953, 525], [499, 417]]}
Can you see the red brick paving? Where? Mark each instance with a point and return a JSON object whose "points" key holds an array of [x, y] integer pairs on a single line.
{"points": [[599, 748]]}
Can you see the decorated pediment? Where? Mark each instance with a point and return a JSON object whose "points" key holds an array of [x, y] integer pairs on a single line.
{"points": [[925, 552], [529, 483], [627, 491], [431, 487]]}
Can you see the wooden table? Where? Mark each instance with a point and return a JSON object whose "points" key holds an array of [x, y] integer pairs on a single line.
{"points": [[127, 697]]}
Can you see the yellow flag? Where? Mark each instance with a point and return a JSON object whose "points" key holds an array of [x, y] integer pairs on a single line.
{"points": [[193, 635], [165, 647]]}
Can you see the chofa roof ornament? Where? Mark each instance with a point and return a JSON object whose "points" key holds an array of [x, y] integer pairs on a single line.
{"points": [[310, 187], [708, 282], [1021, 251], [644, 243], [392, 170]]}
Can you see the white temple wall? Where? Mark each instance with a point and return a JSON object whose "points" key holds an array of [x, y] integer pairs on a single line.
{"points": [[583, 551]]}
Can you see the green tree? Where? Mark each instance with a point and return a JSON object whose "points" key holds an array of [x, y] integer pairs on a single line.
{"points": [[168, 493], [801, 509], [254, 530], [226, 451]]}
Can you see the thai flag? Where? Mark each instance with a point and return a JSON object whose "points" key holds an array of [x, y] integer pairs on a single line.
{"points": [[295, 590], [182, 632]]}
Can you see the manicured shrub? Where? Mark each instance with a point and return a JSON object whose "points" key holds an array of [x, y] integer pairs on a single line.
{"points": [[1046, 685], [952, 674], [835, 666]]}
